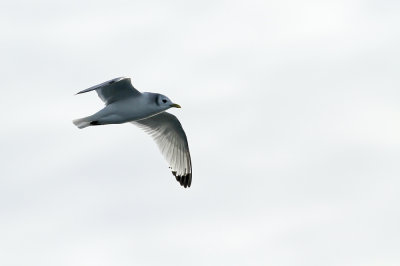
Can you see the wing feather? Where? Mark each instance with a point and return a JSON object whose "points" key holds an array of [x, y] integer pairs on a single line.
{"points": [[114, 90], [167, 132]]}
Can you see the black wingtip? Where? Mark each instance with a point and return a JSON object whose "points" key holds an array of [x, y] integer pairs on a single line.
{"points": [[184, 180], [95, 123]]}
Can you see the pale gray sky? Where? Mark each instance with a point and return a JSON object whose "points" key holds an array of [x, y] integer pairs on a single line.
{"points": [[292, 113]]}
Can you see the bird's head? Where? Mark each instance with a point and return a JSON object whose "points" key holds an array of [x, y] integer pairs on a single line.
{"points": [[164, 102]]}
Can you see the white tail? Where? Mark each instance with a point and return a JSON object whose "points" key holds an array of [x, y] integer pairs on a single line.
{"points": [[82, 122]]}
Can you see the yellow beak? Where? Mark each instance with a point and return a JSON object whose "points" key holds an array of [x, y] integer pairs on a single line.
{"points": [[175, 105]]}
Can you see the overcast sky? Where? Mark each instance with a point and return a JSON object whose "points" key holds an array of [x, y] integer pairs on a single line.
{"points": [[292, 113]]}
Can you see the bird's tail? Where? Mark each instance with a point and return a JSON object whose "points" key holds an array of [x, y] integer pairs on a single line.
{"points": [[82, 122]]}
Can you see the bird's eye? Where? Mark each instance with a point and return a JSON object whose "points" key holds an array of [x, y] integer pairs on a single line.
{"points": [[164, 101]]}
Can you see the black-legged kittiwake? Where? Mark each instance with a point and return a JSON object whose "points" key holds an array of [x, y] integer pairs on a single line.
{"points": [[147, 110]]}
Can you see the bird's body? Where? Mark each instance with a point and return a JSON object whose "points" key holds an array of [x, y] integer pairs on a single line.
{"points": [[146, 110], [126, 110]]}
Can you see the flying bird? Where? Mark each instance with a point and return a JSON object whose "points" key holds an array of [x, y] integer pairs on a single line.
{"points": [[146, 110]]}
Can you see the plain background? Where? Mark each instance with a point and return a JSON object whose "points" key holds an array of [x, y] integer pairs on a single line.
{"points": [[291, 110]]}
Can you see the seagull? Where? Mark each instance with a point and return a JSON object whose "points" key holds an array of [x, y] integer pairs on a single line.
{"points": [[123, 103]]}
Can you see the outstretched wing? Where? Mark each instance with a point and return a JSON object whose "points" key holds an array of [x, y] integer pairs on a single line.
{"points": [[114, 90], [171, 139]]}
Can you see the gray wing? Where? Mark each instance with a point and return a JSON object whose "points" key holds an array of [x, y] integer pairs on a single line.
{"points": [[114, 90], [171, 139]]}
